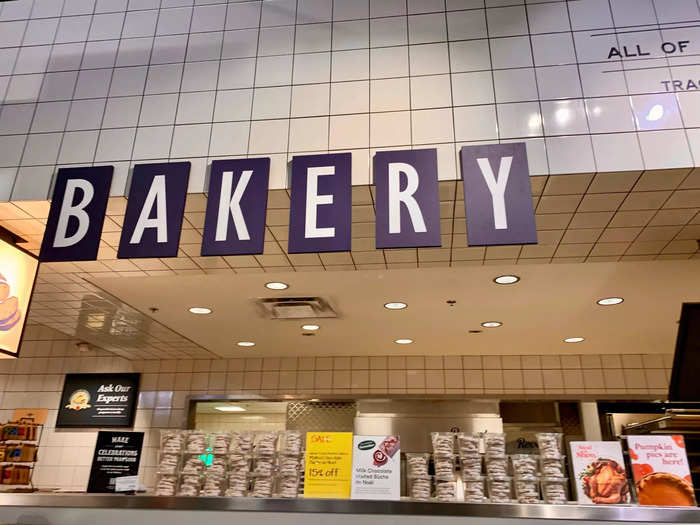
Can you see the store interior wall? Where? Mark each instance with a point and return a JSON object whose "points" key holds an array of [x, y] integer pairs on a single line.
{"points": [[35, 380]]}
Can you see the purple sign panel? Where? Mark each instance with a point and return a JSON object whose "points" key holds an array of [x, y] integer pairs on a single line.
{"points": [[408, 204], [77, 214], [154, 212], [321, 204], [497, 195], [236, 207]]}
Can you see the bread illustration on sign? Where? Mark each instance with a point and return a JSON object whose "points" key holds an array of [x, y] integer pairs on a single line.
{"points": [[10, 312]]}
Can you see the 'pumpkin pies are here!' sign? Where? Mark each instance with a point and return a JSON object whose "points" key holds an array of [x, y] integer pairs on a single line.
{"points": [[661, 472]]}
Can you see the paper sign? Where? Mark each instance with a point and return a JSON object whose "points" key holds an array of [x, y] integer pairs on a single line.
{"points": [[328, 465], [660, 469], [117, 457], [126, 484], [599, 472], [376, 467]]}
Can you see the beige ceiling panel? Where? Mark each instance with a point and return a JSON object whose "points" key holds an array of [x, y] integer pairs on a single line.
{"points": [[433, 264], [652, 180], [581, 236], [500, 262], [336, 258], [619, 234], [280, 199], [402, 266], [296, 259], [242, 261], [377, 266], [446, 209], [645, 200], [573, 250], [190, 250], [190, 237], [363, 244], [591, 219], [602, 258], [195, 219], [684, 199], [536, 251], [196, 202], [537, 260], [401, 255], [503, 252], [601, 202], [116, 206], [614, 182], [281, 233], [364, 213], [208, 263], [277, 217], [646, 247], [691, 232], [433, 254], [658, 233], [549, 236], [568, 184], [447, 190], [459, 226], [568, 260], [180, 263], [682, 246], [537, 184], [673, 257], [692, 181], [558, 203], [36, 209], [8, 211], [373, 257], [150, 264], [363, 229], [673, 217], [474, 253], [340, 267], [553, 221], [625, 219], [272, 248], [637, 258]]}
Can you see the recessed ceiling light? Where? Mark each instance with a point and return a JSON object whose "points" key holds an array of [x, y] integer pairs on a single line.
{"points": [[506, 279], [395, 305], [276, 286], [403, 341], [573, 339], [230, 409], [245, 343], [609, 301], [310, 327], [491, 324], [200, 310], [314, 400]]}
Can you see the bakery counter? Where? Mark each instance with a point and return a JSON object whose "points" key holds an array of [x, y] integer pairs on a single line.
{"points": [[88, 509]]}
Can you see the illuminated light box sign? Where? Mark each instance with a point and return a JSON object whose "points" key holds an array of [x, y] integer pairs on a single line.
{"points": [[496, 179], [98, 400], [17, 274]]}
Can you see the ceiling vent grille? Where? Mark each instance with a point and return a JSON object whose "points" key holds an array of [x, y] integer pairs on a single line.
{"points": [[295, 308]]}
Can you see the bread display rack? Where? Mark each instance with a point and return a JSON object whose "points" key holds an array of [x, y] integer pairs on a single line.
{"points": [[19, 445]]}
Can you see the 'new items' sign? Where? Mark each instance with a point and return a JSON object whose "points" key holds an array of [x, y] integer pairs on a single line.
{"points": [[497, 193]]}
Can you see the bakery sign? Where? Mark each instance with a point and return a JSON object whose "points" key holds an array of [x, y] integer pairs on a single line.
{"points": [[498, 204], [98, 400]]}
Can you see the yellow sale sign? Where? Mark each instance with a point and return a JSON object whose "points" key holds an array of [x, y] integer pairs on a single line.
{"points": [[328, 465]]}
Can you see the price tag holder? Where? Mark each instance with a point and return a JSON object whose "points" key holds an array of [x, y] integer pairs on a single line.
{"points": [[126, 484]]}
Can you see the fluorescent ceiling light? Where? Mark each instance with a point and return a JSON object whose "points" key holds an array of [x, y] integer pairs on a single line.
{"points": [[228, 408], [491, 324], [395, 305], [573, 339], [403, 341], [199, 310], [506, 279], [245, 343], [310, 327], [609, 301], [276, 286]]}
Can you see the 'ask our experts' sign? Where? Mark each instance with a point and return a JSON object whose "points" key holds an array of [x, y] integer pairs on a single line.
{"points": [[98, 400], [496, 182]]}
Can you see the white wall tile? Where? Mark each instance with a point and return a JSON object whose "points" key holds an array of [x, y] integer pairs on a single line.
{"points": [[349, 131], [240, 43], [432, 125], [32, 183], [565, 117], [431, 92], [511, 52], [236, 73], [152, 142], [200, 76], [515, 85], [115, 144], [140, 23], [272, 102], [425, 6], [664, 149], [379, 8], [191, 140], [350, 65], [134, 51], [195, 107], [40, 31], [233, 105], [570, 154], [350, 97], [472, 88], [100, 54], [550, 17], [205, 46], [427, 28], [344, 10], [308, 134], [242, 15], [506, 21], [312, 11], [389, 62], [475, 123], [278, 12], [472, 55], [519, 120], [609, 114], [85, 114], [391, 31], [268, 136], [276, 40], [467, 25], [273, 71], [558, 82], [312, 38], [310, 100], [429, 59], [42, 149], [50, 116], [389, 94], [229, 138], [390, 129], [617, 152], [352, 34], [208, 18]]}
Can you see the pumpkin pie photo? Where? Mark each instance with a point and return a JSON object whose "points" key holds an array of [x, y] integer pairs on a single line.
{"points": [[665, 489]]}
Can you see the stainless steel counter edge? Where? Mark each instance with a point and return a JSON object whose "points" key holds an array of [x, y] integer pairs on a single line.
{"points": [[488, 510]]}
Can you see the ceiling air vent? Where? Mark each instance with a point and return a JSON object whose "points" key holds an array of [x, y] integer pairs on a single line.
{"points": [[295, 308]]}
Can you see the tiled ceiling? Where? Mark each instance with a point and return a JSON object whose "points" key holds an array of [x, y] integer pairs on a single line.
{"points": [[604, 217]]}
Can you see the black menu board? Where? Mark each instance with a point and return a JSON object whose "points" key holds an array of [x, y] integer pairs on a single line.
{"points": [[98, 400], [117, 455]]}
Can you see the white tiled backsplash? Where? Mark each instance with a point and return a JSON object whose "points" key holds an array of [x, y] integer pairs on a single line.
{"points": [[121, 81], [36, 380]]}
